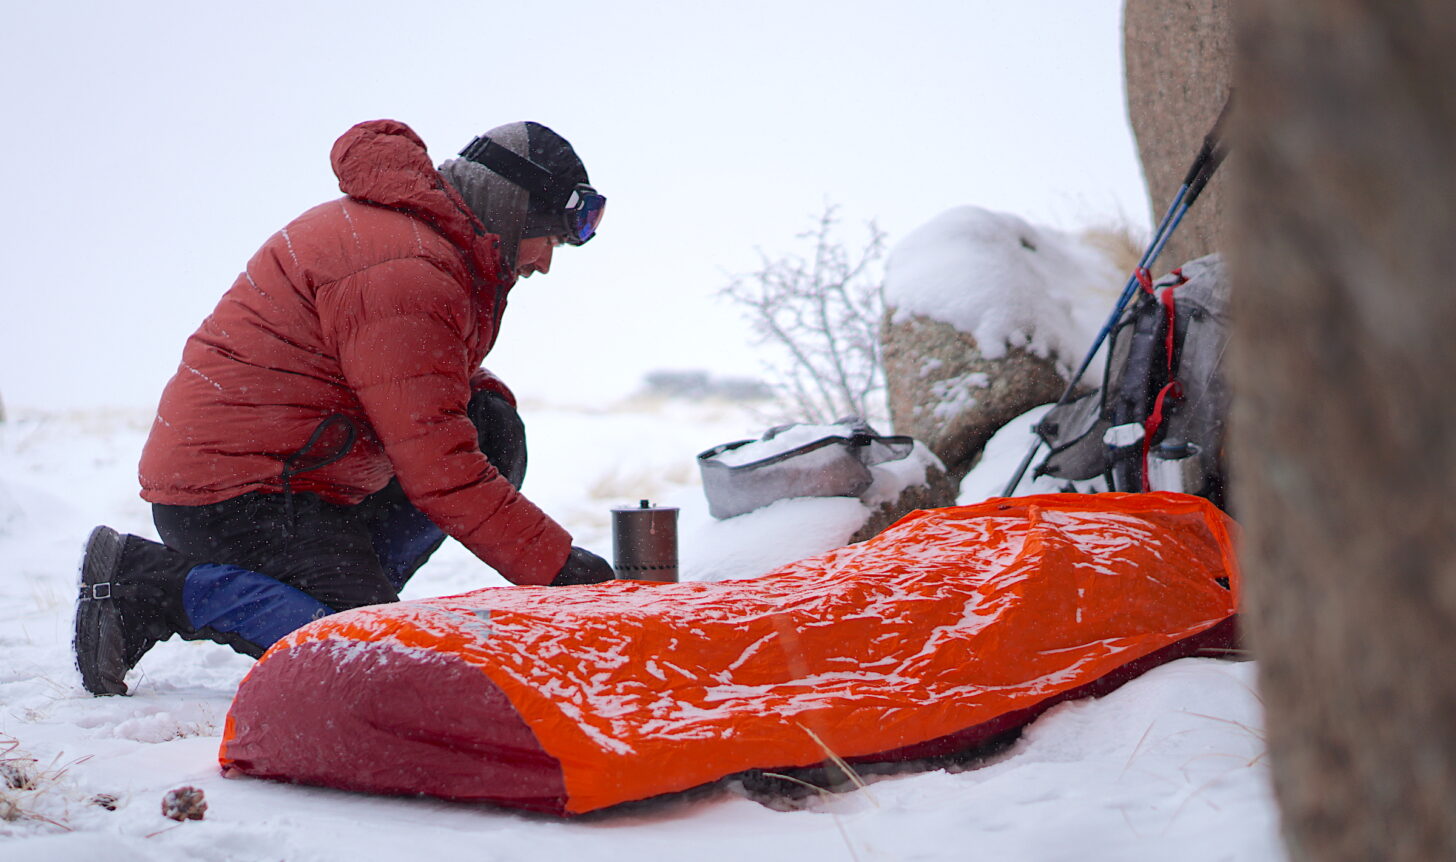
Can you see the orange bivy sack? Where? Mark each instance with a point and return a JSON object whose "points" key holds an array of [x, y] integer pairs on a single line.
{"points": [[947, 629]]}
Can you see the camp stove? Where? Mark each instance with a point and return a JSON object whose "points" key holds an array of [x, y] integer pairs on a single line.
{"points": [[644, 543]]}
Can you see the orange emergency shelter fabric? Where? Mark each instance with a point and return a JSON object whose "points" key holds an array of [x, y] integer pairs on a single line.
{"points": [[573, 699]]}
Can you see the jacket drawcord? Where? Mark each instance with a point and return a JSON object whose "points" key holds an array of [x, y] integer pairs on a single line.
{"points": [[293, 465]]}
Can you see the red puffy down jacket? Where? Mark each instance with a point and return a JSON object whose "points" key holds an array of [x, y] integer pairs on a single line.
{"points": [[376, 308]]}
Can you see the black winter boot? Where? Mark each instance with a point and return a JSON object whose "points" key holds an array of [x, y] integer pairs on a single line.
{"points": [[131, 599]]}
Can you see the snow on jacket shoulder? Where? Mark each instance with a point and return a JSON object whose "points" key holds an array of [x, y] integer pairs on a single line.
{"points": [[377, 308]]}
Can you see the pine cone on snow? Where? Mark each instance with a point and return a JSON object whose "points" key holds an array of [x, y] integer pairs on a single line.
{"points": [[184, 803]]}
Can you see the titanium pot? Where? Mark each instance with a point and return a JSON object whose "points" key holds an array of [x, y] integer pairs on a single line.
{"points": [[644, 543]]}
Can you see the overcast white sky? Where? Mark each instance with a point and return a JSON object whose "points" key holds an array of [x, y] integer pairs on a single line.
{"points": [[152, 146]]}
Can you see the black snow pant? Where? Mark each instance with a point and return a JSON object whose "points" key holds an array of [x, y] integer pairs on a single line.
{"points": [[334, 557]]}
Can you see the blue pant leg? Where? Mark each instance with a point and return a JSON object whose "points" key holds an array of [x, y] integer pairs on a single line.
{"points": [[233, 601]]}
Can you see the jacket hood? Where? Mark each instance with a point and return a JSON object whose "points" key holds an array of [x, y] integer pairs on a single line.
{"points": [[386, 163]]}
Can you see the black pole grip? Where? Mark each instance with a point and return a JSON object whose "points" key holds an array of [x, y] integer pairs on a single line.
{"points": [[1210, 166], [1213, 149]]}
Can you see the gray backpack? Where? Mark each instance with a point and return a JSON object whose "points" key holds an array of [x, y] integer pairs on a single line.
{"points": [[1158, 421]]}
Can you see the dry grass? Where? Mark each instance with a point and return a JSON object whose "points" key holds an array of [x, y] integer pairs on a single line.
{"points": [[28, 790], [1119, 241], [825, 793]]}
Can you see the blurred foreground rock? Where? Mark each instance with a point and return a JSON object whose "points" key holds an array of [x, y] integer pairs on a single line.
{"points": [[1343, 356]]}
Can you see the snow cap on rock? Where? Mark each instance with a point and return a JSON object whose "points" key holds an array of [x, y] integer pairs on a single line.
{"points": [[1004, 281]]}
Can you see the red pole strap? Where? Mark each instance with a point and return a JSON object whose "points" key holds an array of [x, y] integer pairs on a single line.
{"points": [[1144, 279], [1171, 388]]}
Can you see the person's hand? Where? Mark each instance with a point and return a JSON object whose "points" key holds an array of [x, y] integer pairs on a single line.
{"points": [[583, 567]]}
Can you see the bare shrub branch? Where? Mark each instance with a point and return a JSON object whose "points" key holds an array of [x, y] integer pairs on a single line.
{"points": [[820, 316]]}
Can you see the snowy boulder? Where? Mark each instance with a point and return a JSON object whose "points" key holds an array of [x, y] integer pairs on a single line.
{"points": [[986, 317], [943, 390]]}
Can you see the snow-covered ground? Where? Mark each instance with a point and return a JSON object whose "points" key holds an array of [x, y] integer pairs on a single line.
{"points": [[1168, 767]]}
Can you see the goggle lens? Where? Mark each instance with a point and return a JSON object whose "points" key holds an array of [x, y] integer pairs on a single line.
{"points": [[583, 214]]}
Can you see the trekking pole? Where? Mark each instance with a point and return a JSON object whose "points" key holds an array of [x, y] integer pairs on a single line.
{"points": [[1210, 155]]}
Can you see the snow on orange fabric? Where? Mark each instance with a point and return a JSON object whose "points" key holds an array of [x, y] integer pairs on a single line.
{"points": [[948, 619]]}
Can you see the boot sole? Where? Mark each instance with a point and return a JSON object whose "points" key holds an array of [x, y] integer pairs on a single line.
{"points": [[98, 644]]}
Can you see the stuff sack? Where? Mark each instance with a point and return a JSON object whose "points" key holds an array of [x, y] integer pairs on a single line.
{"points": [[948, 629], [795, 461], [1158, 421]]}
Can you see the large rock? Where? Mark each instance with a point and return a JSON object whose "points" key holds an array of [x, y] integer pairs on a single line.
{"points": [[1179, 60], [1342, 359], [944, 392], [984, 314]]}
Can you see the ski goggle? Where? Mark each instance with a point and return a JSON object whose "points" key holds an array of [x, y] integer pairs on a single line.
{"points": [[582, 214], [582, 211]]}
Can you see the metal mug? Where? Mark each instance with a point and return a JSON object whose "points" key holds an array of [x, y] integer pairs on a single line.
{"points": [[1176, 466], [644, 543]]}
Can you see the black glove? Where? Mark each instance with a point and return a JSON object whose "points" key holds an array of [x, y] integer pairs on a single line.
{"points": [[500, 433], [583, 567]]}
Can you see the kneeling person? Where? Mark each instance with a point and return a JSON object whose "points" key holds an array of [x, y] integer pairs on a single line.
{"points": [[330, 422]]}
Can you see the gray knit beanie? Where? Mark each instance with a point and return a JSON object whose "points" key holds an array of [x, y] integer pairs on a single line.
{"points": [[508, 210]]}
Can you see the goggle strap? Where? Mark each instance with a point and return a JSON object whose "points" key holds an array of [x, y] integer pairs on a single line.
{"points": [[512, 166]]}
